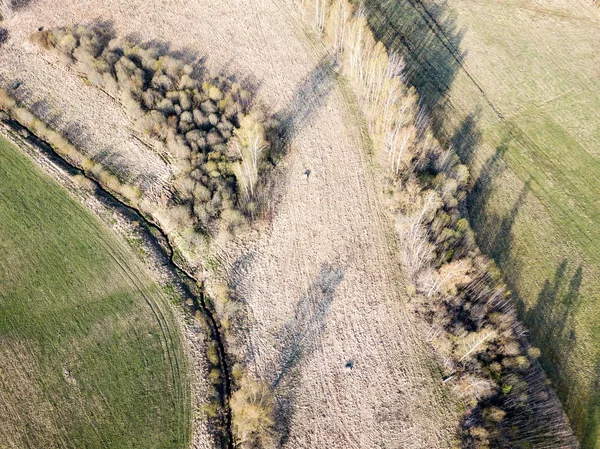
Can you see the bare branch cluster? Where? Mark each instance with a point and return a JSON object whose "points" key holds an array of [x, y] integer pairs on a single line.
{"points": [[215, 139], [251, 408]]}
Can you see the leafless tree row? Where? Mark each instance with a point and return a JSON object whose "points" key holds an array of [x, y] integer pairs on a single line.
{"points": [[490, 364]]}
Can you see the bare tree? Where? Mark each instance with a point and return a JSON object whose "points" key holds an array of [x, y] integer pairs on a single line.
{"points": [[252, 410], [415, 245], [249, 144], [446, 280], [321, 7]]}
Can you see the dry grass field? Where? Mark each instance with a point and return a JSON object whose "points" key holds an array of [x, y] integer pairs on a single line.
{"points": [[324, 290], [328, 326], [514, 88]]}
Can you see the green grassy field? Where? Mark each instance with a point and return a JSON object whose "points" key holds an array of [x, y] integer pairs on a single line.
{"points": [[514, 86], [90, 354]]}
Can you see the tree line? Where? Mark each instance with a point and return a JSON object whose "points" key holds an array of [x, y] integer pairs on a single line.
{"points": [[489, 363]]}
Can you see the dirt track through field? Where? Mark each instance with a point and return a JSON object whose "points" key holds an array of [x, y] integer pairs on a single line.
{"points": [[328, 325]]}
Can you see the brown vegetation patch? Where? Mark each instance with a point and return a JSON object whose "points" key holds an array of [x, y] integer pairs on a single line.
{"points": [[216, 142], [21, 398]]}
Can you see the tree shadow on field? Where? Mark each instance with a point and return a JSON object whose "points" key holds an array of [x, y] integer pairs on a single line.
{"points": [[310, 95], [298, 340], [3, 35], [552, 325], [492, 227], [483, 186], [19, 4], [591, 433], [308, 98], [499, 247], [551, 319], [466, 138], [428, 39], [494, 230]]}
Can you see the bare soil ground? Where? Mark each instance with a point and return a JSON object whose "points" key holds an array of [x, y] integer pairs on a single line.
{"points": [[322, 285]]}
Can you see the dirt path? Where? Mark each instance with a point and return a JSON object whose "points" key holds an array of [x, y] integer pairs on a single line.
{"points": [[322, 285]]}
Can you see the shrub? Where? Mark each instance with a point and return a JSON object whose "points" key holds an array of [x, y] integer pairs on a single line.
{"points": [[251, 409], [196, 118]]}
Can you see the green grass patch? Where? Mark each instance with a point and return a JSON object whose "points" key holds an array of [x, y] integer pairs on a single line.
{"points": [[91, 354]]}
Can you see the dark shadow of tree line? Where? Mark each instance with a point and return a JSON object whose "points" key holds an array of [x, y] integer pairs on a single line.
{"points": [[298, 340], [428, 39]]}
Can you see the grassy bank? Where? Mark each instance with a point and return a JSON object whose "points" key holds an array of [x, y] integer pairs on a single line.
{"points": [[513, 86], [91, 354]]}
